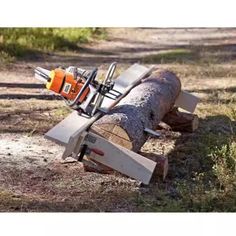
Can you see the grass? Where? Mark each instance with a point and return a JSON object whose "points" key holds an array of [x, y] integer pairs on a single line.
{"points": [[177, 55], [196, 55], [202, 175], [19, 42], [204, 163]]}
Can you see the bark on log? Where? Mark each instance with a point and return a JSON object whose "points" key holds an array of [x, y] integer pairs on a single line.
{"points": [[144, 107], [181, 121]]}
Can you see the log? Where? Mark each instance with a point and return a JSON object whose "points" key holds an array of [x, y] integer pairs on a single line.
{"points": [[181, 121], [144, 107]]}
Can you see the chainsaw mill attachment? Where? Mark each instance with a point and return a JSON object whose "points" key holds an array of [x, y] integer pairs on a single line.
{"points": [[79, 88], [90, 100]]}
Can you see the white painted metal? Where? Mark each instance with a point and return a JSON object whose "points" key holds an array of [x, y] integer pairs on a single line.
{"points": [[70, 147], [126, 81], [73, 123], [120, 158], [187, 101], [132, 75], [152, 132]]}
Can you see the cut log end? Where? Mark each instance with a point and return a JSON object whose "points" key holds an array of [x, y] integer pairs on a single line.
{"points": [[181, 121], [113, 133]]}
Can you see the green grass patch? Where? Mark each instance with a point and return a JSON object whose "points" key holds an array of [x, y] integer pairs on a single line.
{"points": [[202, 174], [18, 42], [172, 56], [203, 178], [194, 55]]}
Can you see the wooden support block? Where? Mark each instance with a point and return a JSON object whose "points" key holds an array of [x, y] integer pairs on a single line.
{"points": [[162, 166], [181, 121]]}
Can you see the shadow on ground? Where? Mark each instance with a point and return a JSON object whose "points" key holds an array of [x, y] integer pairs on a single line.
{"points": [[196, 182]]}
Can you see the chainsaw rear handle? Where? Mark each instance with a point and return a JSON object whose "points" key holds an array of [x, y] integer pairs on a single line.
{"points": [[91, 77]]}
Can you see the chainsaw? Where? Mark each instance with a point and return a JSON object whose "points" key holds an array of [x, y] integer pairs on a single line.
{"points": [[79, 87]]}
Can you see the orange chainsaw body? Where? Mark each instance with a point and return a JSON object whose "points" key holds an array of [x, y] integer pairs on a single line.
{"points": [[66, 85]]}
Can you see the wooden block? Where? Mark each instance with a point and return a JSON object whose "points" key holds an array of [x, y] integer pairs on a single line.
{"points": [[187, 101], [181, 121], [121, 159]]}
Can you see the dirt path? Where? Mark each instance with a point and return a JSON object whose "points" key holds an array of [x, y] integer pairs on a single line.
{"points": [[32, 177]]}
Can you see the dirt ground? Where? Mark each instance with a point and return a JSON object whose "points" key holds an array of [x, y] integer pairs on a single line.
{"points": [[32, 176]]}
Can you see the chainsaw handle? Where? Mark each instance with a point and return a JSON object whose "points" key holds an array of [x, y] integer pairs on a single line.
{"points": [[110, 72], [91, 77]]}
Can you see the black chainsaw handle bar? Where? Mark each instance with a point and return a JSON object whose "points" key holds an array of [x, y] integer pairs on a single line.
{"points": [[90, 79]]}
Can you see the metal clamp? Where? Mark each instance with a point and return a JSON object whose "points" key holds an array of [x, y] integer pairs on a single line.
{"points": [[105, 87], [82, 152]]}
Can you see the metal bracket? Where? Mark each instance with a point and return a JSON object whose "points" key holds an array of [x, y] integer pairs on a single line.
{"points": [[152, 132], [82, 152]]}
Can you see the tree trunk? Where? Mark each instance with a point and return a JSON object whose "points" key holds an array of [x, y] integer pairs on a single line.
{"points": [[144, 107]]}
